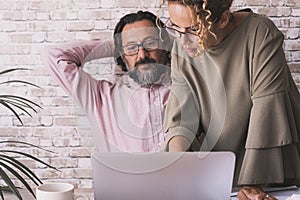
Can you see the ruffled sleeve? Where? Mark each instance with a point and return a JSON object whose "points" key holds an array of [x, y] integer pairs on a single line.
{"points": [[272, 150], [277, 125]]}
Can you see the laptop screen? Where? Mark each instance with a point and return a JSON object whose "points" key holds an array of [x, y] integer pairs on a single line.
{"points": [[163, 175]]}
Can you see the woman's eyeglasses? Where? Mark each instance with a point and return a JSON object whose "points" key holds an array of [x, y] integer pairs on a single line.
{"points": [[174, 31]]}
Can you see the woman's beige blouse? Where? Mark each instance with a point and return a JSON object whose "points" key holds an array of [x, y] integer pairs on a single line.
{"points": [[242, 96]]}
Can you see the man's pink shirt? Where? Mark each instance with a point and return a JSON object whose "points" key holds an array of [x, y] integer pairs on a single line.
{"points": [[123, 115]]}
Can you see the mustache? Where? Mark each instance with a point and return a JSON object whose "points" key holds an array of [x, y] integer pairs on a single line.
{"points": [[148, 76], [146, 60]]}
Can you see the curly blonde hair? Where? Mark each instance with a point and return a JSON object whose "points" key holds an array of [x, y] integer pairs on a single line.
{"points": [[208, 12]]}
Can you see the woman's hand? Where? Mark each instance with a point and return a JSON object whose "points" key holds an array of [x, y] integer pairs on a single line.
{"points": [[253, 193]]}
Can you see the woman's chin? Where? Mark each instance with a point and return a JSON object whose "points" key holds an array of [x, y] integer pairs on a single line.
{"points": [[192, 53]]}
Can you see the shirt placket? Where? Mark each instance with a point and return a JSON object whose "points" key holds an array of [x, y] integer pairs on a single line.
{"points": [[156, 117]]}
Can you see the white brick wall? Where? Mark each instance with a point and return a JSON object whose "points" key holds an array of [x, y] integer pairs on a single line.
{"points": [[25, 25]]}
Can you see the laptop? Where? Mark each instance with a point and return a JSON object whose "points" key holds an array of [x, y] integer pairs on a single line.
{"points": [[163, 175]]}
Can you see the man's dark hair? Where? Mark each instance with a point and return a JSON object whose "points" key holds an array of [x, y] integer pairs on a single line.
{"points": [[129, 19]]}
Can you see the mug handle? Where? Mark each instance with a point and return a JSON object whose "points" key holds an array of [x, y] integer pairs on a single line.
{"points": [[80, 196]]}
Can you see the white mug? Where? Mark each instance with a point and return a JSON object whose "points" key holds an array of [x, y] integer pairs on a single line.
{"points": [[57, 191]]}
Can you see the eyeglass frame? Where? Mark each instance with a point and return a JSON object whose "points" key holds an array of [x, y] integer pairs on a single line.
{"points": [[141, 45], [187, 31]]}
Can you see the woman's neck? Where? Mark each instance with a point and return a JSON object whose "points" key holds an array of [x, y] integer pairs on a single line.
{"points": [[230, 27], [235, 20]]}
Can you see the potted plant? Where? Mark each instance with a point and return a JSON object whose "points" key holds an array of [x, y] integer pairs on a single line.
{"points": [[9, 165]]}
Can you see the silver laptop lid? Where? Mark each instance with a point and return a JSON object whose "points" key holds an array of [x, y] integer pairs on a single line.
{"points": [[163, 175]]}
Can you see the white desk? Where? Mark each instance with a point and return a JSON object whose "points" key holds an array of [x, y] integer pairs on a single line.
{"points": [[282, 195], [27, 196]]}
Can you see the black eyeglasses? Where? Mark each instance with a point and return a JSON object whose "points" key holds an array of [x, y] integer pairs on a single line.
{"points": [[148, 45], [190, 32]]}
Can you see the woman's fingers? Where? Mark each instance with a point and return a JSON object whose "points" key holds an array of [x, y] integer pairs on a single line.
{"points": [[254, 193]]}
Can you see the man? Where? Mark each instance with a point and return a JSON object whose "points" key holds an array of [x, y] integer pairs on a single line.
{"points": [[126, 115]]}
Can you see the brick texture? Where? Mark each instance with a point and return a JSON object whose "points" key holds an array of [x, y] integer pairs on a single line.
{"points": [[27, 25]]}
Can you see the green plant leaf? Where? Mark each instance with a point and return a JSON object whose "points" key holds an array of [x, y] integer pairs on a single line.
{"points": [[1, 193], [14, 69], [8, 162], [18, 98], [19, 81], [26, 143], [11, 163], [25, 103], [30, 156], [20, 103], [10, 184], [18, 176], [17, 102], [12, 110], [11, 104], [19, 106], [5, 188], [23, 168], [12, 101]]}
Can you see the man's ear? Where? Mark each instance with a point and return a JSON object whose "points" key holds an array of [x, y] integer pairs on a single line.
{"points": [[225, 19]]}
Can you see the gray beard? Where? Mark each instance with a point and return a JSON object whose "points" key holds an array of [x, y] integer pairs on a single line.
{"points": [[150, 74]]}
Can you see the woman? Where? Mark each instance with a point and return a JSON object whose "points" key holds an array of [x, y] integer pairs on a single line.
{"points": [[230, 81]]}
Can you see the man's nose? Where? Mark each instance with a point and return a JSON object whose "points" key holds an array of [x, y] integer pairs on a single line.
{"points": [[142, 53]]}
